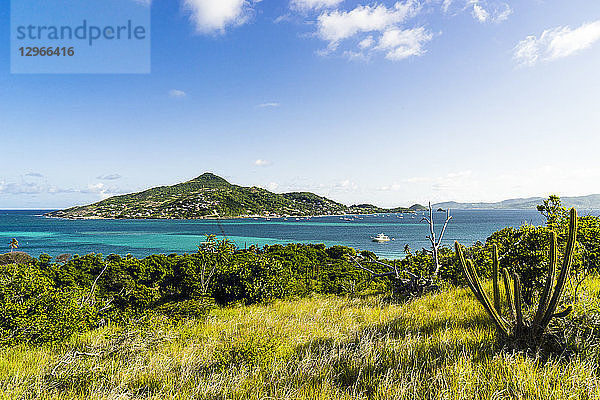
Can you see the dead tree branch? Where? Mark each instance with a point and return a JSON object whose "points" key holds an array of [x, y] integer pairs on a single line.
{"points": [[84, 299], [435, 244], [411, 286]]}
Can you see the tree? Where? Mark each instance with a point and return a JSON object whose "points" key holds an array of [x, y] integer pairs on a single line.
{"points": [[435, 244], [556, 215], [212, 254], [13, 244]]}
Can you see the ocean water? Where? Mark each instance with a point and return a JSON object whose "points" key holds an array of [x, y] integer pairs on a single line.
{"points": [[37, 234]]}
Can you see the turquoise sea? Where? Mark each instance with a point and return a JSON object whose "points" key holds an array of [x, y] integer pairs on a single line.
{"points": [[37, 234]]}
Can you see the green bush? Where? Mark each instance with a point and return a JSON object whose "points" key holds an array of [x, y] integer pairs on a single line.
{"points": [[33, 311], [252, 278], [187, 309]]}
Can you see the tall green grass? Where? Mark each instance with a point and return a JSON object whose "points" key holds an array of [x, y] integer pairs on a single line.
{"points": [[440, 346]]}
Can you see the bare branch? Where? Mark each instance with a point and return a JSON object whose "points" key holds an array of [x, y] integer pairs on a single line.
{"points": [[394, 268], [361, 267], [448, 218], [107, 305], [391, 273], [93, 289], [435, 244]]}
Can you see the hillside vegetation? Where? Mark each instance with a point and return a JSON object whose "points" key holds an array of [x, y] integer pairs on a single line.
{"points": [[212, 196]]}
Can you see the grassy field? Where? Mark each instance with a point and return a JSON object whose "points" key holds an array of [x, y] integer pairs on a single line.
{"points": [[441, 346]]}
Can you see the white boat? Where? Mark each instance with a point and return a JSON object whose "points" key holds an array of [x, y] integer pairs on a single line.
{"points": [[380, 238]]}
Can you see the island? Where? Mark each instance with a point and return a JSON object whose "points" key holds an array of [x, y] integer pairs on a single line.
{"points": [[210, 196]]}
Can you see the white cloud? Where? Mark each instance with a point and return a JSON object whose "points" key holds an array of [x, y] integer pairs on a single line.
{"points": [[374, 28], [334, 26], [23, 188], [287, 17], [314, 4], [31, 188], [355, 55], [401, 44], [479, 13], [495, 12], [483, 11], [268, 105], [446, 5], [346, 184], [366, 42], [143, 2], [213, 16], [362, 31], [177, 93], [261, 163], [329, 189], [34, 175], [42, 187], [556, 43], [503, 14], [109, 177], [527, 52], [102, 190]]}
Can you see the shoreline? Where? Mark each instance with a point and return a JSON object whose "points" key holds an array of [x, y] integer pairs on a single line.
{"points": [[213, 218]]}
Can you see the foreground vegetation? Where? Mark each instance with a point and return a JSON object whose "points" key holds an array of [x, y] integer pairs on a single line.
{"points": [[440, 346], [309, 322]]}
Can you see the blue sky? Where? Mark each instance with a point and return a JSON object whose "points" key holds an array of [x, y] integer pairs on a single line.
{"points": [[388, 102]]}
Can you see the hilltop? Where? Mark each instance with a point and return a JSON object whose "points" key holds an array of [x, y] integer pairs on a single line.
{"points": [[589, 202], [210, 196]]}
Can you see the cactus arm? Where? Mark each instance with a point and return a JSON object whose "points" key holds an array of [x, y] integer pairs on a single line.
{"points": [[545, 297], [495, 279], [477, 290], [563, 313], [470, 279], [518, 301], [564, 272], [498, 320], [509, 299], [469, 274], [463, 263]]}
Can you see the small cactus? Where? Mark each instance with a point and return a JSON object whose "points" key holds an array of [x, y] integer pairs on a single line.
{"points": [[517, 327]]}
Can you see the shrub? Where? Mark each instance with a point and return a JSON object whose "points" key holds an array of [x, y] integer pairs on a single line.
{"points": [[251, 278], [33, 311], [15, 257], [193, 309], [524, 251]]}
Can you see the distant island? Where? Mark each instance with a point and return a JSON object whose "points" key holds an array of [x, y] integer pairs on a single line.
{"points": [[210, 196], [589, 202]]}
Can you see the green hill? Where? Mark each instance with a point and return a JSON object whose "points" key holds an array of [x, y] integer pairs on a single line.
{"points": [[210, 196]]}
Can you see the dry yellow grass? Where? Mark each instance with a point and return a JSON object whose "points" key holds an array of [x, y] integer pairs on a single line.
{"points": [[441, 346]]}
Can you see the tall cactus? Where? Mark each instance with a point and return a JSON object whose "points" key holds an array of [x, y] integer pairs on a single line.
{"points": [[517, 327]]}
